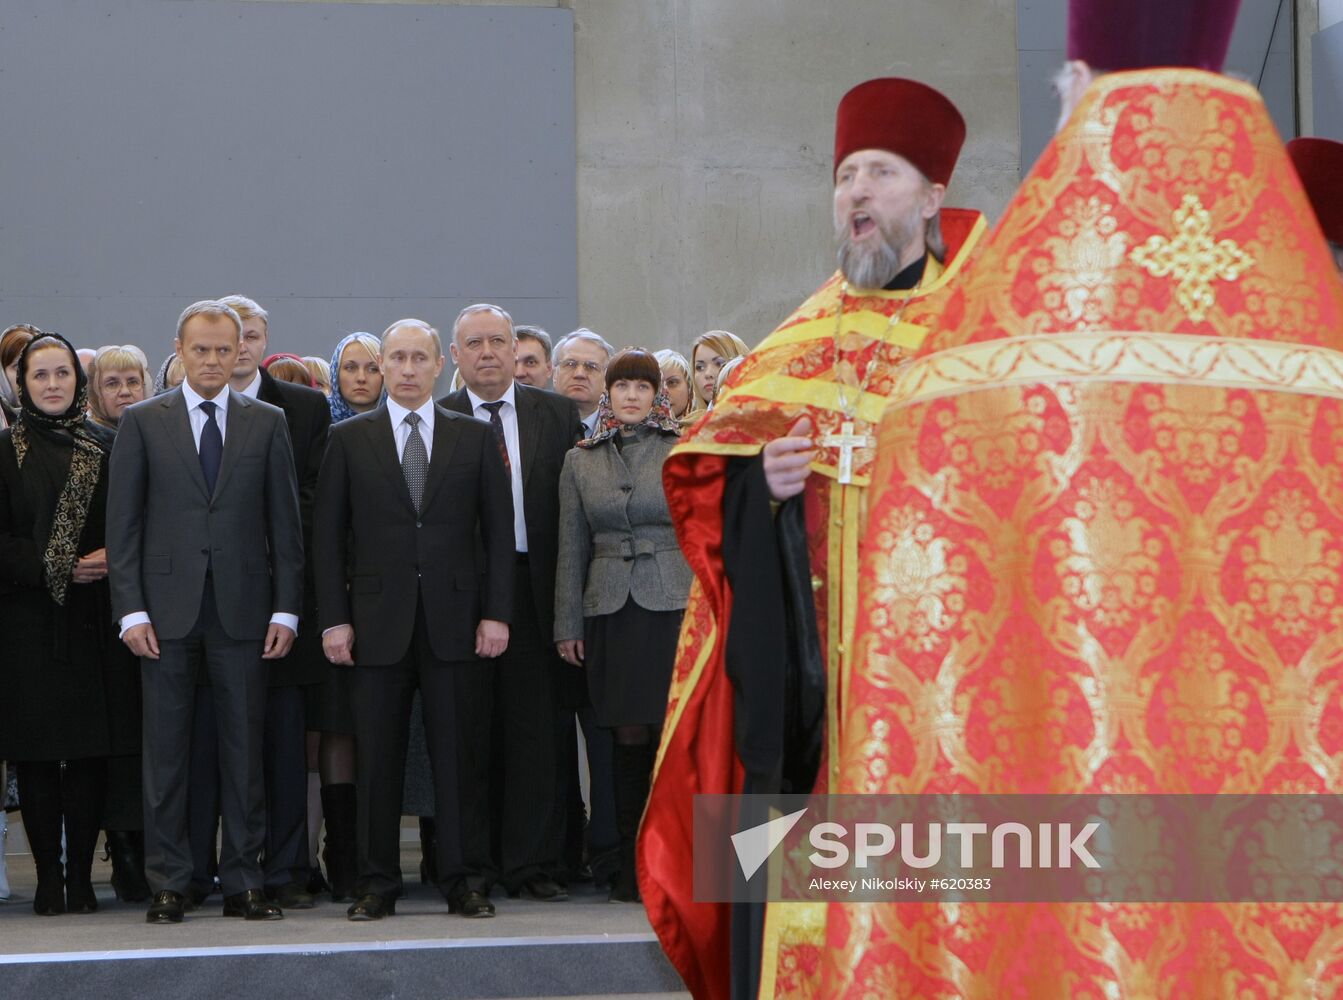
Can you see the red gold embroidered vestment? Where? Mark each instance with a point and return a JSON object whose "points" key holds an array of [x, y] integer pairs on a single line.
{"points": [[792, 372], [1105, 549]]}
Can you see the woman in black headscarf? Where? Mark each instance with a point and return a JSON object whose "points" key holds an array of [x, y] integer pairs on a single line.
{"points": [[62, 670]]}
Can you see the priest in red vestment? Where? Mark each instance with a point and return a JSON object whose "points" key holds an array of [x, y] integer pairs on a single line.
{"points": [[768, 493], [1105, 548]]}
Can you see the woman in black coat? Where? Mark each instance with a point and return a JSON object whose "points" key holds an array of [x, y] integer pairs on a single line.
{"points": [[62, 663]]}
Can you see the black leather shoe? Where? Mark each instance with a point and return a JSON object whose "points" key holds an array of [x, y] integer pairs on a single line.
{"points": [[251, 904], [471, 904], [371, 906], [291, 896], [542, 888], [166, 908]]}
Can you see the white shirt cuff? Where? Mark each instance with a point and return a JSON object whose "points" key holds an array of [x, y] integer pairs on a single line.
{"points": [[333, 628], [287, 620], [133, 619]]}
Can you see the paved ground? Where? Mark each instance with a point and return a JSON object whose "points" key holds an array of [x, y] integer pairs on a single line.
{"points": [[422, 921]]}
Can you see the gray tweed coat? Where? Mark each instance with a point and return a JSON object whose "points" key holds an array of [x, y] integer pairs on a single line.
{"points": [[616, 535]]}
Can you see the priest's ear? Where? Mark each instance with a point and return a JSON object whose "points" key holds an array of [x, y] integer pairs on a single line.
{"points": [[932, 199], [1070, 83]]}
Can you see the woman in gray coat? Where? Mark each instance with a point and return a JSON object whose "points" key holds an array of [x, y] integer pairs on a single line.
{"points": [[622, 582]]}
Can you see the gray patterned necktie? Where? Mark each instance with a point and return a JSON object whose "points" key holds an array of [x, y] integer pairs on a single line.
{"points": [[415, 461]]}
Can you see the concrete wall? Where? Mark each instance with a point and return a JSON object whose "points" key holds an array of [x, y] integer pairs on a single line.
{"points": [[705, 130]]}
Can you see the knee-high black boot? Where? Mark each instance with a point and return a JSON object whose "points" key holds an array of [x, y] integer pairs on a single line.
{"points": [[40, 806], [631, 766], [126, 851], [340, 854], [83, 792], [428, 850]]}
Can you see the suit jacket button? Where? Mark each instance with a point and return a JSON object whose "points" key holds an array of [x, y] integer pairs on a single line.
{"points": [[418, 524], [205, 552]]}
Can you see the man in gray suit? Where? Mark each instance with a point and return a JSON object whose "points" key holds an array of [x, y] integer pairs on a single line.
{"points": [[205, 559]]}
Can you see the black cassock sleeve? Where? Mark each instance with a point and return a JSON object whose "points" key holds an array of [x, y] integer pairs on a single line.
{"points": [[773, 650]]}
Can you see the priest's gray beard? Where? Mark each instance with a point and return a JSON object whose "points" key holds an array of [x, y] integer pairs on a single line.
{"points": [[875, 266]]}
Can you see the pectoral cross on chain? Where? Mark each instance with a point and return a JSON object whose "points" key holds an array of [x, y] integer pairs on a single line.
{"points": [[847, 442]]}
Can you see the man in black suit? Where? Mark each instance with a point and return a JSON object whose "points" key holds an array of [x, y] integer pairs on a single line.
{"points": [[510, 730], [284, 756], [413, 538], [205, 558]]}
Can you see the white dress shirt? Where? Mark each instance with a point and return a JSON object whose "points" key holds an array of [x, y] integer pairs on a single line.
{"points": [[198, 417], [198, 420], [253, 387], [401, 429], [508, 413]]}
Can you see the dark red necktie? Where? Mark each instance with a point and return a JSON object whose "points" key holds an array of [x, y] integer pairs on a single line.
{"points": [[497, 422]]}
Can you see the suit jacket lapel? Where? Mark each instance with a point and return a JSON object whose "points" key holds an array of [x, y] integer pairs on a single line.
{"points": [[179, 432], [446, 433], [384, 446], [458, 402], [529, 430], [237, 427]]}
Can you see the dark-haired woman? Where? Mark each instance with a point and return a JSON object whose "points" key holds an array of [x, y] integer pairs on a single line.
{"points": [[622, 582], [62, 660]]}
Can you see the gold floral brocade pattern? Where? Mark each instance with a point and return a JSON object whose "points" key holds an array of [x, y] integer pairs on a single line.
{"points": [[1033, 646], [1105, 550]]}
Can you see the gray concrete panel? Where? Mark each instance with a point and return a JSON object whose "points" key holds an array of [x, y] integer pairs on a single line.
{"points": [[1327, 81], [344, 164]]}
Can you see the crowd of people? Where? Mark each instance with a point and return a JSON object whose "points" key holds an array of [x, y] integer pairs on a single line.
{"points": [[344, 605]]}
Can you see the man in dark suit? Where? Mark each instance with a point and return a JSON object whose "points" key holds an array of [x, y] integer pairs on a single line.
{"points": [[205, 558], [284, 756], [413, 538], [510, 731]]}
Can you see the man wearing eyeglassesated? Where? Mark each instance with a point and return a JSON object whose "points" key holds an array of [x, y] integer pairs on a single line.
{"points": [[580, 368], [580, 373]]}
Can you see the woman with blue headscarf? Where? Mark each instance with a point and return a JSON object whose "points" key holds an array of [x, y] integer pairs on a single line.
{"points": [[356, 377], [356, 387]]}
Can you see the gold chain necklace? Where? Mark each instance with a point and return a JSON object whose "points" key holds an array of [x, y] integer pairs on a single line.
{"points": [[846, 441], [850, 407]]}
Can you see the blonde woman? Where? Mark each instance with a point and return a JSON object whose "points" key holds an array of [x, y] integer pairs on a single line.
{"points": [[723, 374], [708, 354], [356, 376], [119, 377], [676, 383], [320, 370]]}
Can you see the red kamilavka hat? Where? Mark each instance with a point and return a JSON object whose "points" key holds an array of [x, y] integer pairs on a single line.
{"points": [[905, 117], [1116, 35], [1319, 164]]}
